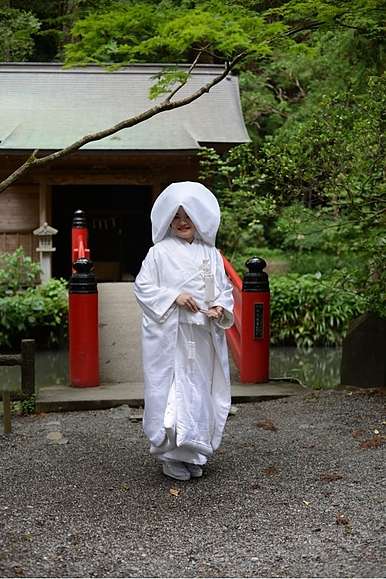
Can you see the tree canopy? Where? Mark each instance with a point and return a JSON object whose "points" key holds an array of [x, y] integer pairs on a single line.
{"points": [[311, 184]]}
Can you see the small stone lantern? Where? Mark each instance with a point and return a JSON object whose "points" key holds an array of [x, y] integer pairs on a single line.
{"points": [[45, 233]]}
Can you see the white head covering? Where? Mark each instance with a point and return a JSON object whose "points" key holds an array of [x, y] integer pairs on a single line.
{"points": [[199, 203]]}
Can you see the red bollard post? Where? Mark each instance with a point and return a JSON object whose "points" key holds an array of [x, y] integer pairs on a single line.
{"points": [[255, 330], [83, 326], [79, 236]]}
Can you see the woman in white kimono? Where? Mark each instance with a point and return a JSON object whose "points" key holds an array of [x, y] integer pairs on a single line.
{"points": [[187, 303]]}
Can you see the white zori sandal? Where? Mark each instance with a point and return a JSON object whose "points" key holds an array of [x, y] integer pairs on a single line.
{"points": [[194, 469], [176, 470]]}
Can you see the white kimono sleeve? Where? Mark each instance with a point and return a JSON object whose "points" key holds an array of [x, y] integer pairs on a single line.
{"points": [[225, 297], [156, 302]]}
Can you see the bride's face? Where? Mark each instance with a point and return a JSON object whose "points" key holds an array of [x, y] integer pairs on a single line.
{"points": [[182, 225]]}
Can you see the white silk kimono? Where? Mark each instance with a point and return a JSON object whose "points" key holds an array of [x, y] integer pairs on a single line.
{"points": [[185, 358]]}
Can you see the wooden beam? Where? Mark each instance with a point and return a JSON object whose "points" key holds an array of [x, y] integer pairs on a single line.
{"points": [[10, 360], [83, 178]]}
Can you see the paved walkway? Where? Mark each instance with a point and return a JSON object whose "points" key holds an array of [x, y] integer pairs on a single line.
{"points": [[297, 489]]}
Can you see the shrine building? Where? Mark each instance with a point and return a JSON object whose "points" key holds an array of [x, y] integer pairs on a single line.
{"points": [[114, 180]]}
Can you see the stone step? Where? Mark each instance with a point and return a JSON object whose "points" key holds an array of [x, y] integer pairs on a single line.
{"points": [[119, 334], [66, 398]]}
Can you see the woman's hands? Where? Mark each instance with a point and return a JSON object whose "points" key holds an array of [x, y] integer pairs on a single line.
{"points": [[216, 312], [186, 301]]}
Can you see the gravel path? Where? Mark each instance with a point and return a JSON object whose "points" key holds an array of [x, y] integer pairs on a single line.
{"points": [[81, 496]]}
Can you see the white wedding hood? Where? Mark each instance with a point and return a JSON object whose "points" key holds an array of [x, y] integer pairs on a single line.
{"points": [[198, 202]]}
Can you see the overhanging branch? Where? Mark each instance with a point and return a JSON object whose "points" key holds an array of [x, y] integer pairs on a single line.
{"points": [[166, 105]]}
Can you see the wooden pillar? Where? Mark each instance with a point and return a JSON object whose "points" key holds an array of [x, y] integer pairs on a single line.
{"points": [[28, 367], [45, 203]]}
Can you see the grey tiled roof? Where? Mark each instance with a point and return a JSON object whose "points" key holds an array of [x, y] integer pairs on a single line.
{"points": [[45, 106]]}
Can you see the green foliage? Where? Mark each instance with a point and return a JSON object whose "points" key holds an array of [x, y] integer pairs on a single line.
{"points": [[333, 153], [17, 271], [123, 31], [25, 406], [314, 262], [275, 258], [55, 22], [244, 214], [16, 30], [309, 311], [38, 312], [112, 36], [317, 110], [166, 81], [365, 16], [135, 32], [330, 165]]}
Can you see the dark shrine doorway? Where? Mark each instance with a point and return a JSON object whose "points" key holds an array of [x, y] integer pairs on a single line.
{"points": [[119, 226]]}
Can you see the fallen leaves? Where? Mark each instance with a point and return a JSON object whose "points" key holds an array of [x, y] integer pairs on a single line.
{"points": [[266, 425], [358, 433], [342, 519], [330, 476], [174, 492], [271, 471], [374, 442]]}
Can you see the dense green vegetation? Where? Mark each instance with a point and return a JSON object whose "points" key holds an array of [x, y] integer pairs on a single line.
{"points": [[309, 312], [312, 182], [28, 310], [309, 189]]}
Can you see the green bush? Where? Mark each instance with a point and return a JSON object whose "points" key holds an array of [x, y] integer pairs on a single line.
{"points": [[308, 310], [17, 272], [269, 255], [315, 261], [28, 310]]}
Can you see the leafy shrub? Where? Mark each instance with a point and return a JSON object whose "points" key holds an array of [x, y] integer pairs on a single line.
{"points": [[17, 272], [38, 312], [307, 310], [244, 213], [271, 256], [313, 262], [25, 406]]}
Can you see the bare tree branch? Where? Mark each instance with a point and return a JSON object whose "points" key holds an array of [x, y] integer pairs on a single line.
{"points": [[165, 105], [179, 87]]}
